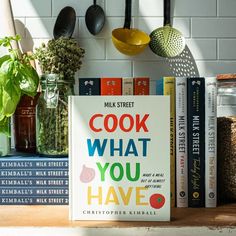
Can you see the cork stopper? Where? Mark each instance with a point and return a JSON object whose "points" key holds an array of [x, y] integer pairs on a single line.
{"points": [[226, 76]]}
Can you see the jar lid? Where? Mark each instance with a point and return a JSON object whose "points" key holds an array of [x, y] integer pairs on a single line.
{"points": [[226, 76]]}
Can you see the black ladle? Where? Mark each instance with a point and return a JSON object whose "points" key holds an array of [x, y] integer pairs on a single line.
{"points": [[95, 18], [65, 23]]}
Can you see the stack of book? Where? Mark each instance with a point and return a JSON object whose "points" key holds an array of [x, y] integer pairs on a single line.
{"points": [[33, 180], [193, 139]]}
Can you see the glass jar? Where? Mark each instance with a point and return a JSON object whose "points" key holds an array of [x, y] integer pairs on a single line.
{"points": [[226, 137], [52, 116], [25, 124]]}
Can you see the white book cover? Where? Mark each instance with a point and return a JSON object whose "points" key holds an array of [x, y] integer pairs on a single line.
{"points": [[181, 142], [211, 141], [119, 159], [127, 86]]}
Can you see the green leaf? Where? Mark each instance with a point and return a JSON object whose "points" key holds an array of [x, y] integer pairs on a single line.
{"points": [[6, 71], [1, 107], [10, 98], [4, 126], [3, 59], [27, 79]]}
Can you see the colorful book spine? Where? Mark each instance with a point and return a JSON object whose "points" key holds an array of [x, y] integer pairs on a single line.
{"points": [[111, 86], [89, 86], [141, 86], [196, 141], [127, 86], [211, 142], [169, 89], [181, 142], [34, 201]]}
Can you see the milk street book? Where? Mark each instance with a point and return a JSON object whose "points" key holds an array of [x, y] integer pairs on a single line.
{"points": [[119, 160]]}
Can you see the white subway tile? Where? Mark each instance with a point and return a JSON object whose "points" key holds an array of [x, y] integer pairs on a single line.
{"points": [[212, 68], [148, 24], [228, 100], [227, 7], [214, 27], [110, 24], [94, 48], [202, 49], [80, 6], [227, 49], [31, 8], [20, 26], [194, 7], [40, 27], [104, 68]]}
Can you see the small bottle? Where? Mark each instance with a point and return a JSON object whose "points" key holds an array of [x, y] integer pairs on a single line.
{"points": [[4, 145]]}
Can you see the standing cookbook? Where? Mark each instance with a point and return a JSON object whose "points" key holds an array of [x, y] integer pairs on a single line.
{"points": [[119, 159]]}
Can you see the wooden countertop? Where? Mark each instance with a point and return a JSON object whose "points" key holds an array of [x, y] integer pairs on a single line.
{"points": [[57, 216]]}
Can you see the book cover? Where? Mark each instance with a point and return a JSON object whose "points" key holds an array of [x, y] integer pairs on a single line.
{"points": [[181, 142], [211, 141], [196, 141], [111, 86], [127, 86], [169, 89], [89, 86], [141, 86], [119, 158]]}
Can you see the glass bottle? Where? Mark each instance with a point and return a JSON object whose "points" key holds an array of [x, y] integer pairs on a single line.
{"points": [[52, 116]]}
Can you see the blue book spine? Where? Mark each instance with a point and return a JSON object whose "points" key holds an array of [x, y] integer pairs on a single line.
{"points": [[196, 141], [89, 86], [47, 173], [19, 162], [34, 182], [159, 86], [34, 192], [34, 201]]}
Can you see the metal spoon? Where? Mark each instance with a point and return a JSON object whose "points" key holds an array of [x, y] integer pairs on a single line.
{"points": [[95, 18], [65, 23]]}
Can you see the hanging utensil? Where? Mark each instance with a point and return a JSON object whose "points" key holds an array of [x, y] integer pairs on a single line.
{"points": [[167, 41], [129, 41], [95, 18], [65, 23]]}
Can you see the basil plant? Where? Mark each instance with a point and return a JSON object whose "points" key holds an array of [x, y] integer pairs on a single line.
{"points": [[17, 78]]}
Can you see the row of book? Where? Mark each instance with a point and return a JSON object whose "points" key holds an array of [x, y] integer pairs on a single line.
{"points": [[193, 141], [114, 86], [34, 180]]}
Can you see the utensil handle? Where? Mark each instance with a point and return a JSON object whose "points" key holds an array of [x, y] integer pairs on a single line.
{"points": [[128, 6], [94, 2], [167, 12]]}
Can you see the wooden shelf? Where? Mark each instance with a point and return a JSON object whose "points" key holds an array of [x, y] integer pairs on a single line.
{"points": [[198, 221]]}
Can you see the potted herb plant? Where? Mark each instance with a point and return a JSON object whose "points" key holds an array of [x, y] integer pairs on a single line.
{"points": [[17, 78], [59, 59]]}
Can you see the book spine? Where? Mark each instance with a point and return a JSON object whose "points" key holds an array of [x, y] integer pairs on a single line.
{"points": [[159, 86], [127, 86], [169, 89], [34, 182], [89, 86], [111, 86], [196, 142], [33, 164], [34, 201], [141, 86], [33, 191], [181, 142], [17, 173], [211, 141]]}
